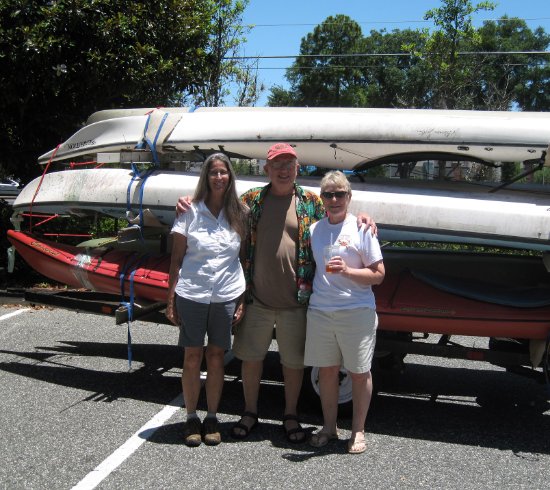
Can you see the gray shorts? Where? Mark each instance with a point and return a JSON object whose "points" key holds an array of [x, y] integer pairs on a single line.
{"points": [[201, 319]]}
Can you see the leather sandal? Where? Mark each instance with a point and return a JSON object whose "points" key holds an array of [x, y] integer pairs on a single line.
{"points": [[357, 446], [240, 425], [321, 439], [298, 432]]}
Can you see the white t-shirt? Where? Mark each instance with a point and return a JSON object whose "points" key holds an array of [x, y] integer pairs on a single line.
{"points": [[358, 248], [211, 271]]}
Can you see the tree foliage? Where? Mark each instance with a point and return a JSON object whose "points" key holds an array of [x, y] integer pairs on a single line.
{"points": [[453, 74], [62, 60], [226, 36], [517, 80], [326, 80], [447, 67], [396, 81]]}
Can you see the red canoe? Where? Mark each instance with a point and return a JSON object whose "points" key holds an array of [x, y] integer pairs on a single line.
{"points": [[414, 297]]}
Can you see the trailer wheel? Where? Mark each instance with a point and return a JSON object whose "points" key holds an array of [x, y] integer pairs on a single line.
{"points": [[311, 387]]}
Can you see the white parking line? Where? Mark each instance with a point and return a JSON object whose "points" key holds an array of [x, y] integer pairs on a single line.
{"points": [[105, 468], [13, 313]]}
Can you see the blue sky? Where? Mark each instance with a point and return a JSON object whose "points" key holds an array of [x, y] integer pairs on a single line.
{"points": [[280, 25]]}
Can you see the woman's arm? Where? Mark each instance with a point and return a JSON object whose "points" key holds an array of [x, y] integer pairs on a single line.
{"points": [[367, 276]]}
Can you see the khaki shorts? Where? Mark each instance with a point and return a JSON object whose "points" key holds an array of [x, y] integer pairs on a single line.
{"points": [[254, 334], [341, 338]]}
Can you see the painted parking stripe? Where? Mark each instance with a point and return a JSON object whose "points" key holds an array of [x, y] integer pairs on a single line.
{"points": [[105, 468], [13, 313]]}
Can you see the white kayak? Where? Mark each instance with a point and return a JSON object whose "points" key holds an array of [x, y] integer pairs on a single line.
{"points": [[339, 138], [450, 212]]}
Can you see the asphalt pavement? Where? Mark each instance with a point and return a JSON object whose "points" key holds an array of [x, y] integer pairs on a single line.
{"points": [[73, 414]]}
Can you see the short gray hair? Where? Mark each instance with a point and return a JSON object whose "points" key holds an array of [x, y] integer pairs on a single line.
{"points": [[336, 178]]}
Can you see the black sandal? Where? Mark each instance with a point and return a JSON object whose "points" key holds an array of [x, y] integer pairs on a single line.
{"points": [[245, 428], [296, 431]]}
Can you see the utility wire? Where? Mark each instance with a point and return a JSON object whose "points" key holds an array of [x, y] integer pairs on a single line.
{"points": [[372, 55], [291, 24], [332, 67]]}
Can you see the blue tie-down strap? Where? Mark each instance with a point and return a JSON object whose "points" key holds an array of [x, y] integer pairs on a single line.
{"points": [[143, 176], [152, 145], [141, 189], [132, 264]]}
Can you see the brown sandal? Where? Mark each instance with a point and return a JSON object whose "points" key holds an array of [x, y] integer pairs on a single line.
{"points": [[298, 432], [240, 425], [321, 439]]}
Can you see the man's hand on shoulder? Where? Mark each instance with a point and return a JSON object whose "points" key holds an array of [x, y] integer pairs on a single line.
{"points": [[183, 205], [365, 220]]}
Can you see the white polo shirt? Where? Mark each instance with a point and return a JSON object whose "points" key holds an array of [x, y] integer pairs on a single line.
{"points": [[211, 271]]}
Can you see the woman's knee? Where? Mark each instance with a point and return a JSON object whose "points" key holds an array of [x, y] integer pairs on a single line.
{"points": [[192, 358], [329, 372], [215, 355]]}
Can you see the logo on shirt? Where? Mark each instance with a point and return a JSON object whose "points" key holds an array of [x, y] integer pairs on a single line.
{"points": [[343, 240]]}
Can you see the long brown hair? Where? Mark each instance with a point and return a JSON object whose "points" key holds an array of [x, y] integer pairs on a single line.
{"points": [[235, 211]]}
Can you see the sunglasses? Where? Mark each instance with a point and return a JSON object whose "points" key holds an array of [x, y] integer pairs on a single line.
{"points": [[337, 194]]}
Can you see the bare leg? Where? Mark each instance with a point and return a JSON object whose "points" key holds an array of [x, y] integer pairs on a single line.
{"points": [[328, 387], [214, 378], [251, 372], [361, 384], [190, 377], [293, 379]]}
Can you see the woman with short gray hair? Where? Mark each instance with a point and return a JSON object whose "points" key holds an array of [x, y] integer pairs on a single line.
{"points": [[341, 318]]}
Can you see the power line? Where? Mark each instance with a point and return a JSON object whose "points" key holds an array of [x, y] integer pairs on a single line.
{"points": [[416, 21], [331, 67], [372, 55]]}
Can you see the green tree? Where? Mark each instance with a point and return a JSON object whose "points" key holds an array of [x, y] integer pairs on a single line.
{"points": [[326, 80], [62, 60], [400, 80], [226, 36], [518, 80], [454, 75]]}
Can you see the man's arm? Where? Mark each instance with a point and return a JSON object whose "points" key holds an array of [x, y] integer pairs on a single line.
{"points": [[365, 219], [183, 205]]}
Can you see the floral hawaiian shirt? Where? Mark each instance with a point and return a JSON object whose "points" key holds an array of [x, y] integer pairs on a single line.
{"points": [[309, 209]]}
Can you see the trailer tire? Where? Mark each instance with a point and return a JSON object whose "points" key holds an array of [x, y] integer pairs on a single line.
{"points": [[311, 390]]}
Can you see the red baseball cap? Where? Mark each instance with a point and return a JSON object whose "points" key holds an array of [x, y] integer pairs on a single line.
{"points": [[280, 149]]}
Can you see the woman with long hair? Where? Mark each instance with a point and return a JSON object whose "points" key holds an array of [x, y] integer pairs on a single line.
{"points": [[206, 281]]}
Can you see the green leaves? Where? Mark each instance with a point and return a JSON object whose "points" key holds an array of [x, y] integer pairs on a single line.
{"points": [[62, 60], [447, 67]]}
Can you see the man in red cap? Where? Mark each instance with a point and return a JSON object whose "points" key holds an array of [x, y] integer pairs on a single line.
{"points": [[279, 270]]}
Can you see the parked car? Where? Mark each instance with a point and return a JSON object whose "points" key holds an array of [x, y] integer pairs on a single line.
{"points": [[9, 187]]}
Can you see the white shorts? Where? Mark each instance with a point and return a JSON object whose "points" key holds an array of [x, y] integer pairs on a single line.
{"points": [[341, 338]]}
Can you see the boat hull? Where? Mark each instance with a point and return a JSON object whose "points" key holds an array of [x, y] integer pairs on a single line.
{"points": [[341, 138], [421, 211], [406, 301]]}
